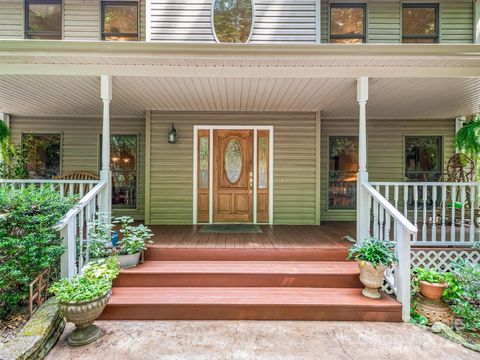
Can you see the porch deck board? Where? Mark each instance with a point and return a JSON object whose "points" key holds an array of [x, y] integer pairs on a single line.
{"points": [[326, 235]]}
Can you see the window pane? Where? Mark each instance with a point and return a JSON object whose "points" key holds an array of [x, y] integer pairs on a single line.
{"points": [[233, 161], [120, 19], [419, 40], [123, 162], [423, 160], [45, 17], [121, 38], [232, 20], [43, 155], [346, 41], [347, 20], [263, 162], [419, 21], [343, 168], [203, 162]]}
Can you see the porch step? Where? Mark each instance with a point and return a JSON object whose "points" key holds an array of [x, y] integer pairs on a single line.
{"points": [[247, 303], [157, 253], [325, 274]]}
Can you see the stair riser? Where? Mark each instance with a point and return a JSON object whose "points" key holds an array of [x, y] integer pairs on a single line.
{"points": [[246, 312], [237, 280], [187, 254]]}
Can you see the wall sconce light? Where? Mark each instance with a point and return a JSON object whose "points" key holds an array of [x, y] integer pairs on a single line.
{"points": [[172, 135]]}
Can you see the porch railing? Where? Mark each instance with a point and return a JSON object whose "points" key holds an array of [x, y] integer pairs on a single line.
{"points": [[75, 228], [387, 223], [64, 187], [446, 214]]}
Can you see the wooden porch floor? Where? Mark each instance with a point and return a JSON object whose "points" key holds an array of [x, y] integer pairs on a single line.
{"points": [[326, 235]]}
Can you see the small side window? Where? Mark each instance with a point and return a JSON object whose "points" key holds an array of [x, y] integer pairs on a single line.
{"points": [[423, 158], [42, 155], [120, 20], [43, 19]]}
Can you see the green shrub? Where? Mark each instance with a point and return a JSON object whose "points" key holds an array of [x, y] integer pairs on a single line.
{"points": [[375, 251], [28, 244], [95, 282]]}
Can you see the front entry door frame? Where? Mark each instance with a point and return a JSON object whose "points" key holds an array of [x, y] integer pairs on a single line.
{"points": [[255, 129]]}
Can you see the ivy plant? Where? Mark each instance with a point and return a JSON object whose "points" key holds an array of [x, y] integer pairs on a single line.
{"points": [[374, 251]]}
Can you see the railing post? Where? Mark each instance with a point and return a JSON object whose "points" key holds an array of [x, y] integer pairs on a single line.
{"points": [[105, 173], [402, 273], [68, 258]]}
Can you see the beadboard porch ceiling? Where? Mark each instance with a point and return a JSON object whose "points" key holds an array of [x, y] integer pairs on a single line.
{"points": [[48, 78]]}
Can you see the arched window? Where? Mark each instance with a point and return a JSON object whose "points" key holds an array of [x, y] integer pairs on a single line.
{"points": [[232, 20]]}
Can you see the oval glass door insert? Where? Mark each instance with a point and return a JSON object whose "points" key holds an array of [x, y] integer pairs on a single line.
{"points": [[232, 20], [233, 161]]}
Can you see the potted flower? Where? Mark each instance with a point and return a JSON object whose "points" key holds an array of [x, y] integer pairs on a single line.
{"points": [[373, 257], [83, 298], [132, 241], [432, 283]]}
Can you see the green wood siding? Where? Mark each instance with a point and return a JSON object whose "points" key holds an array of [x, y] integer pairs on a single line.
{"points": [[384, 23], [11, 19], [171, 181], [81, 141], [385, 150]]}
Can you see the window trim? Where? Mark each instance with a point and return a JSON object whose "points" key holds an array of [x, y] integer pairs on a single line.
{"points": [[27, 33], [334, 209], [137, 170], [436, 36], [43, 133], [442, 154], [104, 34], [363, 36]]}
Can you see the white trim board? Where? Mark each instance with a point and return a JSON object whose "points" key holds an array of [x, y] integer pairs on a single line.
{"points": [[255, 165]]}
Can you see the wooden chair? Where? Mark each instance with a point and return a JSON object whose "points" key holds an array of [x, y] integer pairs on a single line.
{"points": [[77, 175]]}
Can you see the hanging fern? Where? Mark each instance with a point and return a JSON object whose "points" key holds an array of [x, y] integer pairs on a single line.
{"points": [[468, 138]]}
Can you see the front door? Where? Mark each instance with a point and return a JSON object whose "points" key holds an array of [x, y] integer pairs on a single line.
{"points": [[233, 176]]}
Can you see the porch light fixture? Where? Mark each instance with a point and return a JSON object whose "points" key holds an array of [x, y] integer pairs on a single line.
{"points": [[172, 135]]}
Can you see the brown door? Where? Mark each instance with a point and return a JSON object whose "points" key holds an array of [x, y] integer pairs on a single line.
{"points": [[233, 176]]}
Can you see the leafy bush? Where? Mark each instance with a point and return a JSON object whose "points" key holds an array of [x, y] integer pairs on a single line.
{"points": [[28, 244], [133, 237], [436, 277], [95, 282], [375, 251]]}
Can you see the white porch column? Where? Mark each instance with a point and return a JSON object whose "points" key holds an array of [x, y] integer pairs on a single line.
{"points": [[106, 173], [362, 177]]}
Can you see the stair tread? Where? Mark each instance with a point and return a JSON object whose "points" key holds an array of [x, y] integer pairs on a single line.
{"points": [[246, 267], [331, 297]]}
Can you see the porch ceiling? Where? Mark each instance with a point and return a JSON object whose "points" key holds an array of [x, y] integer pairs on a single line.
{"points": [[50, 78], [41, 95]]}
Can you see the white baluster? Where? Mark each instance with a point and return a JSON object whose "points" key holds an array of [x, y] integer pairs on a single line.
{"points": [[444, 213], [472, 214], [375, 218], [369, 214], [434, 213], [454, 200], [415, 209], [387, 215], [424, 225], [463, 197], [62, 190]]}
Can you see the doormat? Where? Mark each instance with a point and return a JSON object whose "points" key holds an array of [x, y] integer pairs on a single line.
{"points": [[231, 229]]}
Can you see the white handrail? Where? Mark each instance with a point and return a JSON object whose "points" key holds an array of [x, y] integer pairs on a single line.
{"points": [[46, 181]]}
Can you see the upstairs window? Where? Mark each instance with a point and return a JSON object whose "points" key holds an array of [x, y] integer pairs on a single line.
{"points": [[43, 19], [347, 23], [423, 158], [232, 20], [119, 20], [420, 23]]}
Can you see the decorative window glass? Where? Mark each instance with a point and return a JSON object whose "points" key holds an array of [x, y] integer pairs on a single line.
{"points": [[420, 23], [347, 23], [43, 19], [119, 20], [343, 168], [423, 158], [232, 20], [43, 155], [203, 184], [233, 161], [262, 162], [123, 163]]}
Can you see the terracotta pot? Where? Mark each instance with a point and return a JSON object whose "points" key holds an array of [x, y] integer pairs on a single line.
{"points": [[128, 261], [83, 314], [372, 278], [432, 291]]}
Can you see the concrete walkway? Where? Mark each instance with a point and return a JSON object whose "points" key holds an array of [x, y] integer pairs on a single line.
{"points": [[261, 340]]}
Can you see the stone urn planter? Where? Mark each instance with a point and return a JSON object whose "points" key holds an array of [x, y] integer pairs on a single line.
{"points": [[83, 314], [431, 290], [128, 261], [372, 278]]}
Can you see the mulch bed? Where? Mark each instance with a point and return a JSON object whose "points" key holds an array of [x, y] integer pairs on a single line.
{"points": [[10, 326]]}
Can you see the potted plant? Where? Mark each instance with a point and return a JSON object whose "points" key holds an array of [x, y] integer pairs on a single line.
{"points": [[83, 298], [432, 284], [131, 242], [373, 257]]}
